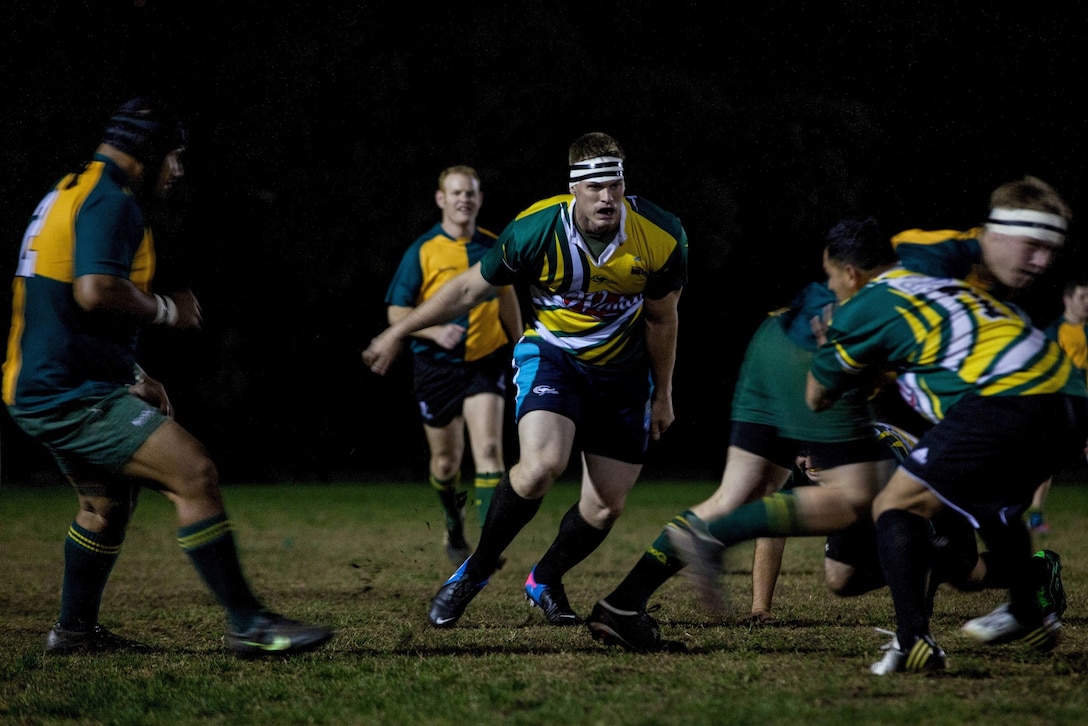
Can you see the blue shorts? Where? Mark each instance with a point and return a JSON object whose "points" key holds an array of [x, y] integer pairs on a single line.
{"points": [[610, 407], [988, 455]]}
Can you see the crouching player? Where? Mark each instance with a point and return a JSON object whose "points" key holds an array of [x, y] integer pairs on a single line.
{"points": [[1009, 409]]}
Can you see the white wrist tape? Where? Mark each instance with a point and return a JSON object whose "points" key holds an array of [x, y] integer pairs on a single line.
{"points": [[168, 311]]}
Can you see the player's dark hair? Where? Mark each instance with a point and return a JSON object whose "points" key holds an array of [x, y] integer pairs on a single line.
{"points": [[860, 241], [1071, 286]]}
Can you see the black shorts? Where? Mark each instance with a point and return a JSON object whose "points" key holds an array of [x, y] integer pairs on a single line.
{"points": [[988, 455], [440, 388], [763, 440]]}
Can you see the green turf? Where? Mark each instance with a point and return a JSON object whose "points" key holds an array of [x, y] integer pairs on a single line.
{"points": [[368, 557]]}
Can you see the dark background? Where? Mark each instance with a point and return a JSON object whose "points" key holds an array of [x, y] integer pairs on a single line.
{"points": [[318, 131]]}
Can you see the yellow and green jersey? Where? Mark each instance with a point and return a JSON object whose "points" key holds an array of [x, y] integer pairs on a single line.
{"points": [[90, 223], [432, 260], [946, 339], [589, 305], [942, 253], [1073, 339]]}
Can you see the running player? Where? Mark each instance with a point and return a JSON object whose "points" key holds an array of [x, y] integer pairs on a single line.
{"points": [[604, 273], [770, 428], [460, 368]]}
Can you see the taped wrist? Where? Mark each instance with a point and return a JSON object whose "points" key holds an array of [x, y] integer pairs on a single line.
{"points": [[167, 313]]}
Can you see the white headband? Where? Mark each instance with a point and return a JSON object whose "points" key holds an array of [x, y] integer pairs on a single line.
{"points": [[597, 169], [1043, 226]]}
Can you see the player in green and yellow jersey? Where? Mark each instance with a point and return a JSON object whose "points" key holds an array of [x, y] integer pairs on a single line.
{"points": [[1008, 408], [82, 293], [603, 273], [460, 368]]}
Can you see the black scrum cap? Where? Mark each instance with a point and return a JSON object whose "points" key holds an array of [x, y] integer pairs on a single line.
{"points": [[145, 129]]}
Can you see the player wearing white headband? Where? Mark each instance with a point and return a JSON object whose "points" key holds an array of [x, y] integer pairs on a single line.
{"points": [[603, 273], [1024, 229]]}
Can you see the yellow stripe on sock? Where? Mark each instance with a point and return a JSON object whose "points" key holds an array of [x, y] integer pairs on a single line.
{"points": [[204, 536], [89, 544]]}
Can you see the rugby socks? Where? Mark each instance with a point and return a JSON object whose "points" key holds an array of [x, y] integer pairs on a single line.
{"points": [[485, 488], [773, 516], [657, 564], [902, 541], [576, 540], [1011, 546], [507, 515], [452, 503], [210, 546], [88, 561]]}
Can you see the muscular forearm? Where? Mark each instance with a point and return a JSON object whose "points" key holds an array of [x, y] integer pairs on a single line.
{"points": [[453, 299], [662, 326], [111, 294]]}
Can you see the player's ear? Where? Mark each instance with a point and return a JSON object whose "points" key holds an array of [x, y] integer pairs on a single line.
{"points": [[439, 198]]}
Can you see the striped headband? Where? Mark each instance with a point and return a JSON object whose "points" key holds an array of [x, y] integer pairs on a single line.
{"points": [[1043, 226], [597, 169]]}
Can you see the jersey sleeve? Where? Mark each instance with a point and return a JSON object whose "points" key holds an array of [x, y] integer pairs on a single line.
{"points": [[407, 281], [860, 340], [108, 232], [673, 275]]}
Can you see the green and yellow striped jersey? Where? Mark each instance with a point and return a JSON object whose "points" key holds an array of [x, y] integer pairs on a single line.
{"points": [[590, 306], [946, 339]]}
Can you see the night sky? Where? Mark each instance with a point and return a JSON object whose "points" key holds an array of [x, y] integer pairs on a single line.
{"points": [[318, 131]]}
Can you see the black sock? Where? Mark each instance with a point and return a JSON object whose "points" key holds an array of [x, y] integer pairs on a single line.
{"points": [[576, 541], [210, 546], [506, 516], [1009, 545], [902, 541], [88, 561], [657, 564]]}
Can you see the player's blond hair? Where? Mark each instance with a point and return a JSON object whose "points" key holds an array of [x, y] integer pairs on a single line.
{"points": [[456, 169], [1030, 193], [592, 145]]}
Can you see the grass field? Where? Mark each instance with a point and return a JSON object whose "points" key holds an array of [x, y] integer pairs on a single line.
{"points": [[368, 557]]}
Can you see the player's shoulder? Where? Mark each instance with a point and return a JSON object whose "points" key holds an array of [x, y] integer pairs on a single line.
{"points": [[550, 206], [930, 237], [663, 218]]}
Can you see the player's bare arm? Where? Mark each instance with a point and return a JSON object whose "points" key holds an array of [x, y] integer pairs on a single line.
{"points": [[445, 336], [455, 298], [662, 324], [510, 314], [118, 295], [817, 395]]}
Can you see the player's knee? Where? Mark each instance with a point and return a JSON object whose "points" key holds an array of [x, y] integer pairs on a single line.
{"points": [[603, 516], [105, 514], [199, 479], [443, 468], [837, 575]]}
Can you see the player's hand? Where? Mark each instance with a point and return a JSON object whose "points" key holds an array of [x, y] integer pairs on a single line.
{"points": [[661, 417], [189, 314], [381, 352], [820, 323], [449, 336], [154, 393]]}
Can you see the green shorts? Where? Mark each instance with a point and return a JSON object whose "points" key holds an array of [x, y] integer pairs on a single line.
{"points": [[92, 436], [770, 390]]}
